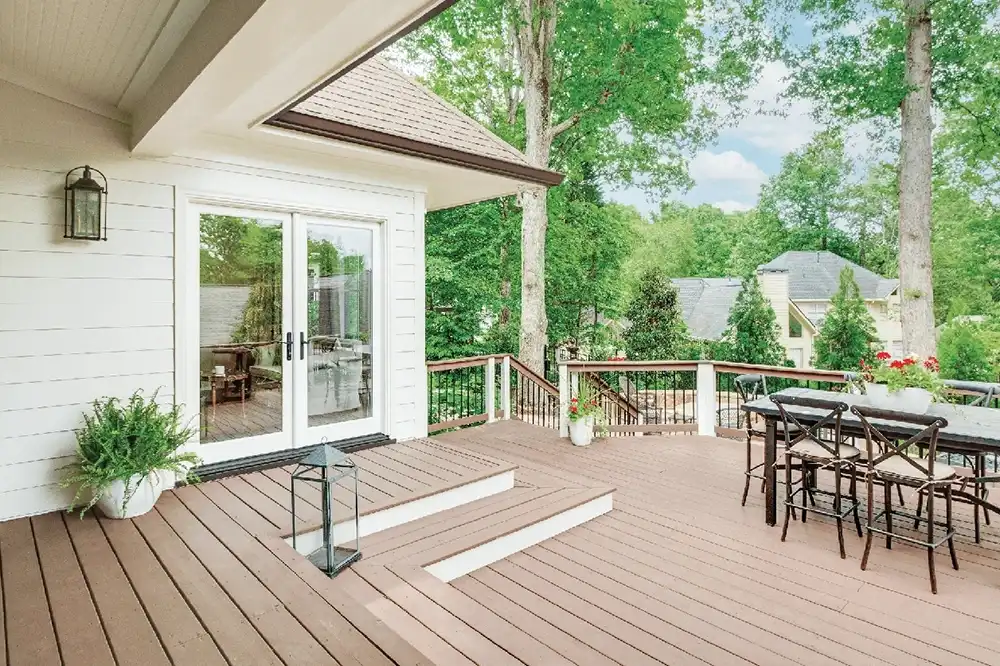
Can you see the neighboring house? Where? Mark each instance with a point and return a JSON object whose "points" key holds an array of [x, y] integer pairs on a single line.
{"points": [[800, 287], [270, 111]]}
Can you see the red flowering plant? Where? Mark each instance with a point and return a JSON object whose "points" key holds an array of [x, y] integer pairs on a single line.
{"points": [[585, 404], [909, 372]]}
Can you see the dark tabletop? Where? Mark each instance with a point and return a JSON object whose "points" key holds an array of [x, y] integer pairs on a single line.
{"points": [[977, 426]]}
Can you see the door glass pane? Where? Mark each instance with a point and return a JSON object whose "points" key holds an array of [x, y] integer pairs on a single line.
{"points": [[339, 307], [241, 327]]}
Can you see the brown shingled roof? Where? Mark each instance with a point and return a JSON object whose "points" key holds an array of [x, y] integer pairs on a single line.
{"points": [[375, 105]]}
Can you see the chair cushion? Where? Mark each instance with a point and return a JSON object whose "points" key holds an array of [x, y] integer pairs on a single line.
{"points": [[896, 466], [811, 449]]}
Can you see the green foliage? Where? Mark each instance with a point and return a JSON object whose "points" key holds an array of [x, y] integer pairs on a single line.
{"points": [[848, 332], [963, 354], [119, 441], [656, 329], [752, 335]]}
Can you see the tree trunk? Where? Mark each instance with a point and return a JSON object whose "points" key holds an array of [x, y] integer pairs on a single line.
{"points": [[915, 160], [535, 34]]}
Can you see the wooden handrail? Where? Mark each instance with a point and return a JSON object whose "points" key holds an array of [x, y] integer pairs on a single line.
{"points": [[832, 376], [631, 366], [545, 384], [456, 363]]}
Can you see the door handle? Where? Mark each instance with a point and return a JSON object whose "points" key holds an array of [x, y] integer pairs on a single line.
{"points": [[288, 346], [302, 346]]}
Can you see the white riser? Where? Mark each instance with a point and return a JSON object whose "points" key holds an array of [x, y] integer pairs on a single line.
{"points": [[466, 562], [409, 511]]}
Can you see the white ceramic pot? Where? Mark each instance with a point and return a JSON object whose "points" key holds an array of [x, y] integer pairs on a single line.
{"points": [[912, 400], [146, 489], [581, 431]]}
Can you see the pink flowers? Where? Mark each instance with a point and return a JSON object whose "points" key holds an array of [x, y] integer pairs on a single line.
{"points": [[932, 364]]}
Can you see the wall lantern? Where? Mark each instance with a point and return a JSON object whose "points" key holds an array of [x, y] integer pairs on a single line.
{"points": [[86, 205], [325, 469]]}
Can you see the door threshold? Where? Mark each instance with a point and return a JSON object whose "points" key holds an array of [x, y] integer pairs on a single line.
{"points": [[263, 461]]}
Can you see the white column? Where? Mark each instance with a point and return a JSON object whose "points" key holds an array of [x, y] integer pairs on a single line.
{"points": [[505, 388], [705, 399], [491, 390], [564, 393]]}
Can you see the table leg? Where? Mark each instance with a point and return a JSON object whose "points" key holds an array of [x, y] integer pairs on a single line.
{"points": [[770, 476]]}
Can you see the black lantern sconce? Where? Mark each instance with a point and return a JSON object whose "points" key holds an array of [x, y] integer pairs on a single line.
{"points": [[86, 205], [325, 469]]}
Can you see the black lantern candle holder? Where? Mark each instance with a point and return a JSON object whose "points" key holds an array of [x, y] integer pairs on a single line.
{"points": [[86, 205], [326, 468]]}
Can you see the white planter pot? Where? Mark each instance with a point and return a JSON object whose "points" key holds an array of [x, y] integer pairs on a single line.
{"points": [[912, 400], [146, 491], [581, 431]]}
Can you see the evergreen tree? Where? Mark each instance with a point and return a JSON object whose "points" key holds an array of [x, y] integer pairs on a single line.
{"points": [[963, 354], [657, 331], [848, 332], [752, 333]]}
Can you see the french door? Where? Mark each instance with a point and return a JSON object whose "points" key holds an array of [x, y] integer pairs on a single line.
{"points": [[289, 331]]}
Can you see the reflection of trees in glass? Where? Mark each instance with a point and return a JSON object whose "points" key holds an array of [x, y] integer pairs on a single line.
{"points": [[244, 251], [346, 278]]}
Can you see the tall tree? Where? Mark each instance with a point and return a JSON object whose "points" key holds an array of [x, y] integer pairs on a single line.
{"points": [[875, 60], [752, 332], [809, 194], [656, 329], [848, 332], [580, 83]]}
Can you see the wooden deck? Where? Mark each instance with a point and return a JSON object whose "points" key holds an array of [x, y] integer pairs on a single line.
{"points": [[678, 573]]}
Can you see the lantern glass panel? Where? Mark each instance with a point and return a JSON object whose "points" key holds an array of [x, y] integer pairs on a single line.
{"points": [[86, 213]]}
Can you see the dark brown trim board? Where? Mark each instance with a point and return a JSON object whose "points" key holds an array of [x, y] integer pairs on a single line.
{"points": [[369, 54], [332, 129]]}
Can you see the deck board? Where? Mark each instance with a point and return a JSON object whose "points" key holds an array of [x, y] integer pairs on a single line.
{"points": [[30, 636], [75, 616]]}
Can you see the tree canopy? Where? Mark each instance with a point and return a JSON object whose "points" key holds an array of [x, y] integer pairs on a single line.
{"points": [[848, 334], [752, 334]]}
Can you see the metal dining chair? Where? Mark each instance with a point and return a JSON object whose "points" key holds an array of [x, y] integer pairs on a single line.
{"points": [[814, 453], [895, 464], [750, 387]]}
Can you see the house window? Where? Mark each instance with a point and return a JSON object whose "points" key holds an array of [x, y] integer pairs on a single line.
{"points": [[794, 327]]}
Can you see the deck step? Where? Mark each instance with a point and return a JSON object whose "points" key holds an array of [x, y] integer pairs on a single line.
{"points": [[453, 543], [405, 510], [491, 545]]}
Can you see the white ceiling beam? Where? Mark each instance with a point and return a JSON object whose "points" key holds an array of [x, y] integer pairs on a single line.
{"points": [[244, 60]]}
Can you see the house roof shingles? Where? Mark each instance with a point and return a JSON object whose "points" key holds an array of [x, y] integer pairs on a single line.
{"points": [[705, 304], [815, 276], [379, 100]]}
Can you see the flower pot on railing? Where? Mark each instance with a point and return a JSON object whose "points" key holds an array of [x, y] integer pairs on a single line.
{"points": [[581, 431], [912, 400]]}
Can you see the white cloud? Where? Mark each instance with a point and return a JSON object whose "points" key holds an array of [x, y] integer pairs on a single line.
{"points": [[774, 123], [730, 206], [728, 165]]}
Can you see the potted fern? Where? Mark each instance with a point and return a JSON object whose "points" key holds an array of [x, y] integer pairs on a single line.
{"points": [[127, 453]]}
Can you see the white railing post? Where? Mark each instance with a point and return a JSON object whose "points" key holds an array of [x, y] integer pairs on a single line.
{"points": [[505, 388], [564, 394], [705, 399], [491, 389]]}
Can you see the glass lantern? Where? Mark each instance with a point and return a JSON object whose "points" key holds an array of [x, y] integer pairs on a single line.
{"points": [[325, 469], [86, 205]]}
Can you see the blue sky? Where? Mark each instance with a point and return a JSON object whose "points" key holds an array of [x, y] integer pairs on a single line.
{"points": [[729, 172]]}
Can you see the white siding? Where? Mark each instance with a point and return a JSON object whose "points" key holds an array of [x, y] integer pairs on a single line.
{"points": [[81, 320]]}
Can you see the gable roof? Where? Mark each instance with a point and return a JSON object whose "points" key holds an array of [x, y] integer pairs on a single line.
{"points": [[377, 106], [705, 304], [815, 276]]}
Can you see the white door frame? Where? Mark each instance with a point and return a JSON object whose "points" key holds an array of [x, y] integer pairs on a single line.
{"points": [[379, 347], [188, 206]]}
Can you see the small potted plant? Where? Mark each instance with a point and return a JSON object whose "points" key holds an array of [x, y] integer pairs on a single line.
{"points": [[584, 412], [127, 454], [910, 384]]}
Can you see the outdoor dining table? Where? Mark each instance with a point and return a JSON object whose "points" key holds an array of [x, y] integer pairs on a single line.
{"points": [[970, 430]]}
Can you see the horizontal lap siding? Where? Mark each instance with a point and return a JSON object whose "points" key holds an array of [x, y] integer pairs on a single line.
{"points": [[81, 320]]}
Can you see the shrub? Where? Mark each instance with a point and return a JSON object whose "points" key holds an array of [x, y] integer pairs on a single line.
{"points": [[963, 354]]}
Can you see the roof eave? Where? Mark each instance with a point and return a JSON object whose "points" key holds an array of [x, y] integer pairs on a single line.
{"points": [[332, 129]]}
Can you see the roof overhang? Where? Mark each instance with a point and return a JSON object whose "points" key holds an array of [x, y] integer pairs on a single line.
{"points": [[801, 316], [331, 129]]}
